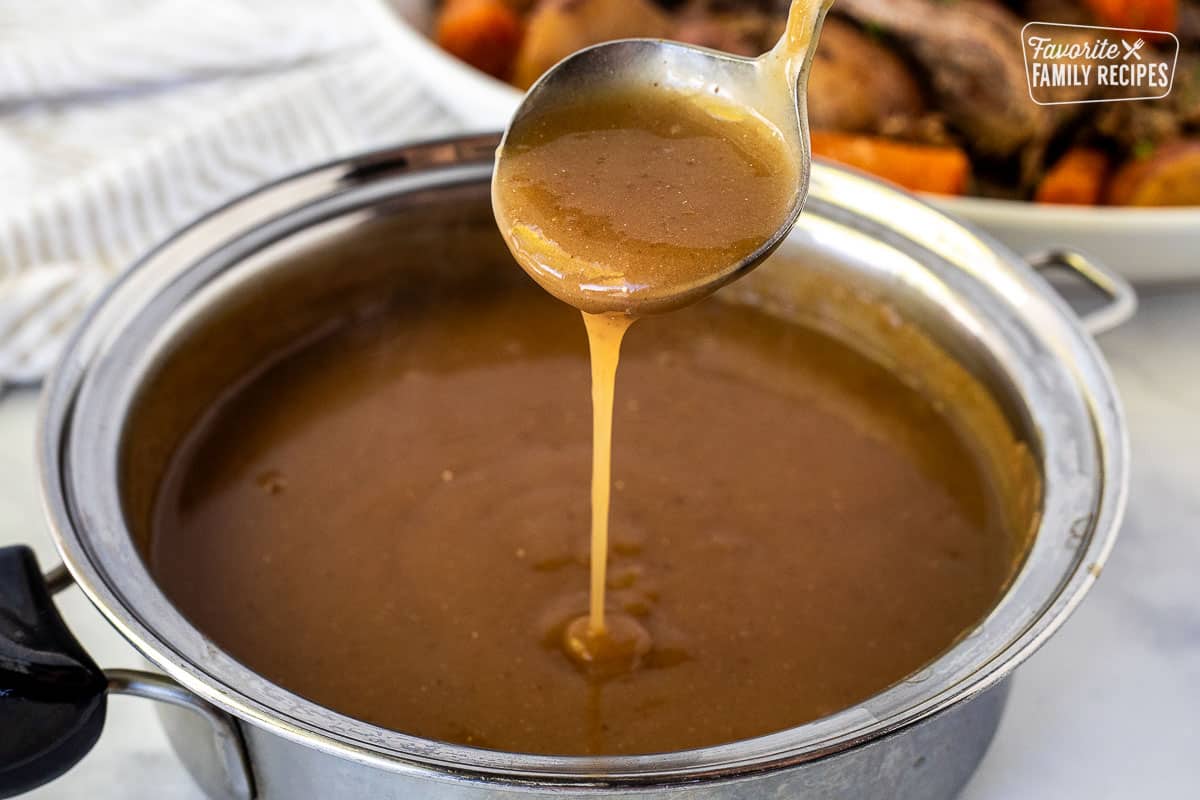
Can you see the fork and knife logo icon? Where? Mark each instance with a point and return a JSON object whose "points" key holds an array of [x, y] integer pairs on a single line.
{"points": [[1133, 50]]}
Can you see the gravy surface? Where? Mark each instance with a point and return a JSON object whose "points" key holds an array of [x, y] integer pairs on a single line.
{"points": [[393, 522]]}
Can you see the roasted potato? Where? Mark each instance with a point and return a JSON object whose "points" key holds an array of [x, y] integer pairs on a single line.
{"points": [[557, 28], [1170, 176]]}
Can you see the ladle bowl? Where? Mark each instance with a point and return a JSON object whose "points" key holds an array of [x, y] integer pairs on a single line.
{"points": [[773, 86]]}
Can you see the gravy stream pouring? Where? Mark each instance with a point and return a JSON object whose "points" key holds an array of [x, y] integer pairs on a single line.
{"points": [[636, 178]]}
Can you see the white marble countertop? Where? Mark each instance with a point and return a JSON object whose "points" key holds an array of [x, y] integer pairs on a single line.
{"points": [[1108, 708]]}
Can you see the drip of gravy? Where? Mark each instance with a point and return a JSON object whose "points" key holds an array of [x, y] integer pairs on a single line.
{"points": [[592, 642]]}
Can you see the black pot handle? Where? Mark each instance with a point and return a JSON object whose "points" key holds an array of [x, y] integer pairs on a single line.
{"points": [[52, 695]]}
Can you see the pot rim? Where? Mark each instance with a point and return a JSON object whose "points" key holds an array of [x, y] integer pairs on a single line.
{"points": [[975, 266]]}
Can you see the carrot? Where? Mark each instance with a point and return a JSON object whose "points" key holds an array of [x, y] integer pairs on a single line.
{"points": [[1077, 179], [484, 33], [920, 168], [1155, 15]]}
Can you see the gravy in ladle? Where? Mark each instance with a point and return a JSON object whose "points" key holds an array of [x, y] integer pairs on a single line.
{"points": [[629, 198]]}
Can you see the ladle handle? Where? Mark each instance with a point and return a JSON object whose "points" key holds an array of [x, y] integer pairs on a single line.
{"points": [[52, 695], [793, 53]]}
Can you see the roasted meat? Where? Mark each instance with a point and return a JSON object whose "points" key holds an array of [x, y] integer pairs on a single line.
{"points": [[1144, 124], [746, 29], [859, 85], [1189, 22], [970, 54], [1068, 12]]}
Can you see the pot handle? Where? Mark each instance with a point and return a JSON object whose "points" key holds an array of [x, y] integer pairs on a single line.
{"points": [[53, 696], [1122, 299]]}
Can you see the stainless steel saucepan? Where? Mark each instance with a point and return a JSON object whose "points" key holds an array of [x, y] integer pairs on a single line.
{"points": [[280, 261]]}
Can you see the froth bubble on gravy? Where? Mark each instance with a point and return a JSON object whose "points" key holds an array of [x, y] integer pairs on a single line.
{"points": [[392, 520]]}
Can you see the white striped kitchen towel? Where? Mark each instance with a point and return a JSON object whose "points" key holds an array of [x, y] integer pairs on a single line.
{"points": [[121, 120]]}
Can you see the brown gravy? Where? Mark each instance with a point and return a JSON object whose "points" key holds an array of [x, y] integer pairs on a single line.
{"points": [[628, 197], [393, 523]]}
